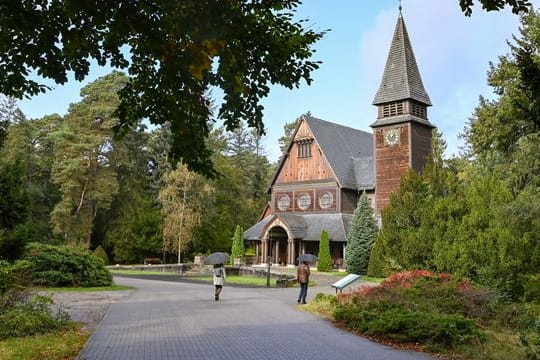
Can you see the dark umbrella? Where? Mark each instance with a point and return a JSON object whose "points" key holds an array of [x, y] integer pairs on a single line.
{"points": [[310, 258], [216, 258]]}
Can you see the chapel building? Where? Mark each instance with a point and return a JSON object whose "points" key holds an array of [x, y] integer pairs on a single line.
{"points": [[327, 166]]}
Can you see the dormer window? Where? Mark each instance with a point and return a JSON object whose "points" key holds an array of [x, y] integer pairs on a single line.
{"points": [[304, 148]]}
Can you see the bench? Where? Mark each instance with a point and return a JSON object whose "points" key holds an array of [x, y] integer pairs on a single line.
{"points": [[152, 261], [344, 282]]}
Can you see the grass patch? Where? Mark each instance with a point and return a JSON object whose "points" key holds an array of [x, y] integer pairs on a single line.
{"points": [[372, 279], [65, 345], [90, 289], [143, 272], [322, 305], [239, 280], [330, 273]]}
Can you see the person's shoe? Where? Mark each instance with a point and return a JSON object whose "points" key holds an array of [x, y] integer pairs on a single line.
{"points": [[304, 302], [299, 301], [216, 297]]}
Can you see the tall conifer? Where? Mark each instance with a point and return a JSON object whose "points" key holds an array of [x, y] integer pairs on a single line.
{"points": [[361, 237], [324, 261]]}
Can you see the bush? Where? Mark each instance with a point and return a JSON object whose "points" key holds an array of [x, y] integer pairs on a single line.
{"points": [[102, 254], [532, 289], [18, 274], [409, 326], [324, 262], [29, 315], [530, 340], [66, 266], [437, 310]]}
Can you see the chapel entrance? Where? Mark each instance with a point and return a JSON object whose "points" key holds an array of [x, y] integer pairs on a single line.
{"points": [[278, 244]]}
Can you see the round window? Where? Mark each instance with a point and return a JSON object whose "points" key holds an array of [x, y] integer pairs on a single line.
{"points": [[283, 202], [326, 200], [304, 201]]}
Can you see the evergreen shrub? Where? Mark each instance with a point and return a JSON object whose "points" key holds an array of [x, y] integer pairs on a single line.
{"points": [[436, 310], [324, 261], [102, 254], [237, 249], [66, 266]]}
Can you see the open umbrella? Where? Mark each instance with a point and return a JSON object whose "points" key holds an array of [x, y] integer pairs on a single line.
{"points": [[216, 258], [310, 258]]}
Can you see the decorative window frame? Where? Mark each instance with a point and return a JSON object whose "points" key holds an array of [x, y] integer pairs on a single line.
{"points": [[286, 200], [325, 204], [303, 201]]}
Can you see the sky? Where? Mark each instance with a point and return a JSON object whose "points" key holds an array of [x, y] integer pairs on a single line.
{"points": [[452, 51]]}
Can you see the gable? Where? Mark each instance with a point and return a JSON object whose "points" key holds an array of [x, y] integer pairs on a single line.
{"points": [[336, 152], [305, 160]]}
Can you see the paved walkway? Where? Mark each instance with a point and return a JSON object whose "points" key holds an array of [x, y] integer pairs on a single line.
{"points": [[164, 320]]}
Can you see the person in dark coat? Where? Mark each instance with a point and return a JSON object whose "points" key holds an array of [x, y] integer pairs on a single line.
{"points": [[302, 275]]}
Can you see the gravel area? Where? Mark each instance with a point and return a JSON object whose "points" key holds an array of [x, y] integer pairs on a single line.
{"points": [[88, 307]]}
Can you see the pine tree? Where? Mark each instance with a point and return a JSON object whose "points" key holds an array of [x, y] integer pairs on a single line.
{"points": [[324, 261], [237, 250], [361, 237]]}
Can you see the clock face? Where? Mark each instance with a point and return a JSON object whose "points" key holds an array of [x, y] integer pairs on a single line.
{"points": [[391, 137]]}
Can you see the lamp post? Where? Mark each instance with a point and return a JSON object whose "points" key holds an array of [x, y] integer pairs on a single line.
{"points": [[268, 258]]}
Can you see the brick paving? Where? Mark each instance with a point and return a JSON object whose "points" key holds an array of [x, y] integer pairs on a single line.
{"points": [[164, 320]]}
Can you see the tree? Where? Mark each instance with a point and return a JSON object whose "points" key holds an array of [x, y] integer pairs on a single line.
{"points": [[361, 237], [237, 250], [288, 132], [14, 210], [177, 52], [517, 6], [83, 167], [182, 200], [134, 230], [28, 144], [324, 261], [9, 114]]}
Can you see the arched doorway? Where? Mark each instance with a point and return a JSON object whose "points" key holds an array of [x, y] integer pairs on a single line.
{"points": [[278, 245]]}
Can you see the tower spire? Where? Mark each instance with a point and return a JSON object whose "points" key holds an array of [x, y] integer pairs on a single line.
{"points": [[401, 79]]}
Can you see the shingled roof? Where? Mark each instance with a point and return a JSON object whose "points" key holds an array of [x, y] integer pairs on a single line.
{"points": [[349, 152], [307, 227], [401, 79]]}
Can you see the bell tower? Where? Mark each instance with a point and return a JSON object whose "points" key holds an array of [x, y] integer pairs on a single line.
{"points": [[402, 131]]}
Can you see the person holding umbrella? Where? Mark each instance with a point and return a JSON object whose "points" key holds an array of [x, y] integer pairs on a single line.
{"points": [[219, 279], [217, 259], [302, 274]]}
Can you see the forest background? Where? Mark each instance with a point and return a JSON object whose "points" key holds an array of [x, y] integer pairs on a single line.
{"points": [[65, 179]]}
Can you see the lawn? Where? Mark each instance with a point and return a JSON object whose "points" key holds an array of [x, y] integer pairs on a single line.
{"points": [[239, 280], [144, 272], [63, 345], [84, 289]]}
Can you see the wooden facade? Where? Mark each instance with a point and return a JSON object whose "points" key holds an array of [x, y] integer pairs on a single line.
{"points": [[328, 166]]}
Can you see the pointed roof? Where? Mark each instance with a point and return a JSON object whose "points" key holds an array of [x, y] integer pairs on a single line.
{"points": [[349, 153], [401, 79]]}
